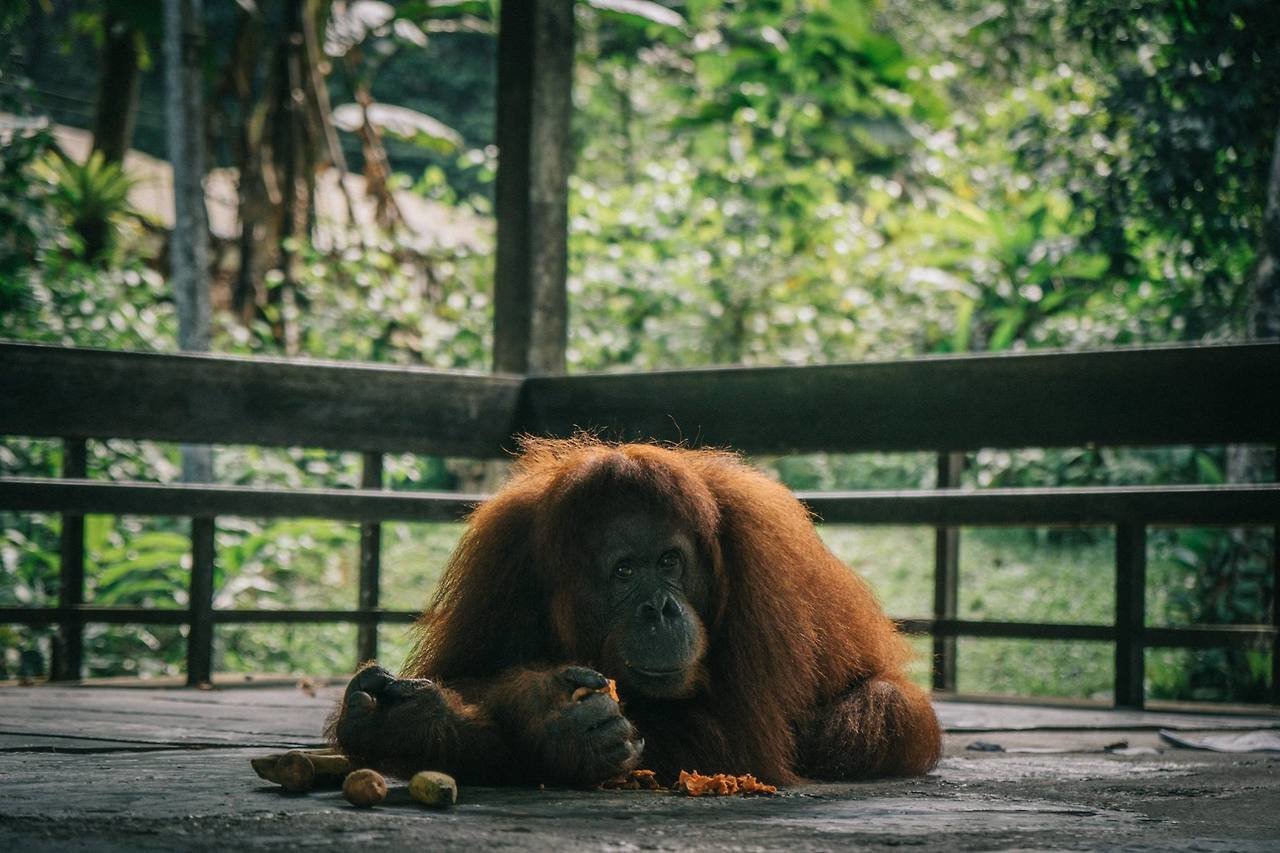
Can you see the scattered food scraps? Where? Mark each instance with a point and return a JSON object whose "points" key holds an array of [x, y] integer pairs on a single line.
{"points": [[610, 690], [636, 780], [696, 784]]}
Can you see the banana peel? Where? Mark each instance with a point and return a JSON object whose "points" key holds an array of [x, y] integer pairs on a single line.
{"points": [[330, 767]]}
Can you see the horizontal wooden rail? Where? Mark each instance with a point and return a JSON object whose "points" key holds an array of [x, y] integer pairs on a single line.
{"points": [[91, 614], [1139, 396], [1213, 394], [1102, 505], [207, 399], [1209, 505], [36, 494], [1148, 396], [1183, 637], [1192, 636]]}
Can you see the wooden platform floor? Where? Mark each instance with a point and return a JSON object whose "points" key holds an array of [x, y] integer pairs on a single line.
{"points": [[93, 768]]}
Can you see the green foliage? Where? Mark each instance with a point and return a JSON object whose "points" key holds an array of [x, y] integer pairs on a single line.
{"points": [[790, 181], [92, 197], [28, 227]]}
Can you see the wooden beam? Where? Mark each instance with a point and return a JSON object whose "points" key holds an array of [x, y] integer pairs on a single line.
{"points": [[1051, 507], [1187, 637], [370, 564], [1103, 505], [43, 494], [1020, 400], [200, 597], [261, 401], [534, 102], [68, 643], [946, 577], [1191, 637], [1131, 608], [1275, 550], [95, 615], [184, 44], [1141, 396]]}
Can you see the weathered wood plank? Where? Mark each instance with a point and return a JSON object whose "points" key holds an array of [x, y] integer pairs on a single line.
{"points": [[370, 563], [1189, 636], [68, 642], [1275, 596], [1103, 505], [172, 616], [962, 402], [946, 576], [962, 716], [1149, 396], [200, 594], [68, 743], [1130, 618], [535, 80], [267, 717], [36, 494], [1234, 504], [1197, 636], [207, 399]]}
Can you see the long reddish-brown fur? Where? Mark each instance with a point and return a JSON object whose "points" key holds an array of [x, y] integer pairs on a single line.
{"points": [[804, 672]]}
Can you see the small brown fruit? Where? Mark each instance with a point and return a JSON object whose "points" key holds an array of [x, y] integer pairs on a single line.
{"points": [[610, 690], [364, 788], [296, 772], [437, 790]]}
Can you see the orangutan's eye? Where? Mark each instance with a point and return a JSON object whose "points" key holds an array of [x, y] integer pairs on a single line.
{"points": [[669, 559], [623, 571]]}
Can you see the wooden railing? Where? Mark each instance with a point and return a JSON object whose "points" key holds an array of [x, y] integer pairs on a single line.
{"points": [[947, 405]]}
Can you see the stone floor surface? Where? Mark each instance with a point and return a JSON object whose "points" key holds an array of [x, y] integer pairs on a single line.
{"points": [[163, 769]]}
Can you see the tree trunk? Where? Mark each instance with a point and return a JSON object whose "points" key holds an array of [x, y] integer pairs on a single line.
{"points": [[290, 169], [189, 243], [535, 76], [1251, 463], [116, 102], [1264, 307]]}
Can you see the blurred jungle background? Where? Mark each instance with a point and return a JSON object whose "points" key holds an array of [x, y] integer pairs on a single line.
{"points": [[776, 181]]}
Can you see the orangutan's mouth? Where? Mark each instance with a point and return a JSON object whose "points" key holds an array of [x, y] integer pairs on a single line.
{"points": [[655, 673]]}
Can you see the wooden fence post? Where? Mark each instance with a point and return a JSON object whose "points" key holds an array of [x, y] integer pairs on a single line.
{"points": [[1275, 598], [1131, 606], [946, 577], [200, 609], [535, 105], [68, 643], [370, 564]]}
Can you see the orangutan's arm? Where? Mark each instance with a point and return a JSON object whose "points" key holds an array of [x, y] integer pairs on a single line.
{"points": [[401, 726], [522, 726], [878, 727]]}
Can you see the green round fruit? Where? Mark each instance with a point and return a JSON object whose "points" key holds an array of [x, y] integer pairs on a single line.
{"points": [[433, 789]]}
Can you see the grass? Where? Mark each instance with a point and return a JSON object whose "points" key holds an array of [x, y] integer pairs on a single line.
{"points": [[1013, 575], [1005, 574]]}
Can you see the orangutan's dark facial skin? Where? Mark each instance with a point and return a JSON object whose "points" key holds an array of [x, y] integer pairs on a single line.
{"points": [[655, 581]]}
